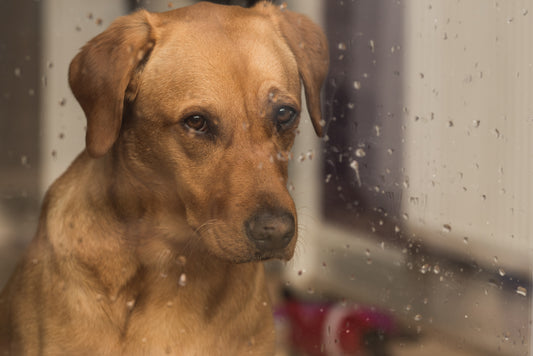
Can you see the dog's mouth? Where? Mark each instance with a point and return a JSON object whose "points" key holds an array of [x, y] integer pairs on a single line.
{"points": [[266, 235], [262, 256]]}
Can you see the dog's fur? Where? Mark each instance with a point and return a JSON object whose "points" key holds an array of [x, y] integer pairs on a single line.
{"points": [[141, 246]]}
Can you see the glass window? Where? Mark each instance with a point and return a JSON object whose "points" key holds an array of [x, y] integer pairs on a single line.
{"points": [[414, 209]]}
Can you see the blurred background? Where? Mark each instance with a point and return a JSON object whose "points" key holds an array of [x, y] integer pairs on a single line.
{"points": [[415, 208]]}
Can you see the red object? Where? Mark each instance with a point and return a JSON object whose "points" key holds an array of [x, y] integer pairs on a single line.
{"points": [[331, 329]]}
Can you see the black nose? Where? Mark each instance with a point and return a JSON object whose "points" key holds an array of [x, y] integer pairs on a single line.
{"points": [[270, 230]]}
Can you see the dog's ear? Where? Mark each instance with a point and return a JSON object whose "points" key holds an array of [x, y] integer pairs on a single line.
{"points": [[99, 76], [310, 47]]}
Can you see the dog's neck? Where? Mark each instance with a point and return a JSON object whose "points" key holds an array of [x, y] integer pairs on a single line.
{"points": [[142, 242]]}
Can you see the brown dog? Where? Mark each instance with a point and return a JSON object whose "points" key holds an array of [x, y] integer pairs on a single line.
{"points": [[151, 241]]}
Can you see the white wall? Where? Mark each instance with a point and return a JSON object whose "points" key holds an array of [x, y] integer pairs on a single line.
{"points": [[469, 128]]}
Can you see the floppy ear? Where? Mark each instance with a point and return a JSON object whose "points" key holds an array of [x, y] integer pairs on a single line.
{"points": [[99, 76], [310, 47]]}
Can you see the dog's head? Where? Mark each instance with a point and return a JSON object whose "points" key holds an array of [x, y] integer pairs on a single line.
{"points": [[203, 102]]}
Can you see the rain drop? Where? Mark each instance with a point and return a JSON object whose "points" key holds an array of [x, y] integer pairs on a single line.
{"points": [[424, 269], [360, 153], [183, 280], [522, 291], [355, 166], [310, 154]]}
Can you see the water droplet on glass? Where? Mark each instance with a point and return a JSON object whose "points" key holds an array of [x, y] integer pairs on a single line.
{"points": [[501, 271], [377, 129], [342, 46], [418, 317], [357, 85], [450, 123], [424, 269], [465, 240], [283, 6], [522, 291], [63, 102], [372, 45], [355, 166], [130, 304], [310, 154], [182, 280], [476, 123], [24, 160], [446, 228], [360, 153], [405, 216], [17, 72], [525, 12], [367, 252], [436, 269]]}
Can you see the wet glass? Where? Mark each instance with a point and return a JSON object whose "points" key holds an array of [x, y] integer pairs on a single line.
{"points": [[414, 209]]}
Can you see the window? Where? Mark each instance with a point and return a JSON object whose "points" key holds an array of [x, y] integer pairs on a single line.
{"points": [[415, 206]]}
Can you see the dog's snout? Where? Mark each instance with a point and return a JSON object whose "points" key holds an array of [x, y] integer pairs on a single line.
{"points": [[270, 230]]}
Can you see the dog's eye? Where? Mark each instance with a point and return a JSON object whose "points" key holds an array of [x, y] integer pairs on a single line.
{"points": [[196, 123], [285, 116]]}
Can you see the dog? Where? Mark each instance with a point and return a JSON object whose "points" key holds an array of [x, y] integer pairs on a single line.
{"points": [[153, 239]]}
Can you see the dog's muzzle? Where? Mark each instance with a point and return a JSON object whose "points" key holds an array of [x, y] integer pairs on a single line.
{"points": [[270, 231]]}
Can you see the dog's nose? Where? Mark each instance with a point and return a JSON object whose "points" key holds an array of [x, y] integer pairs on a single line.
{"points": [[270, 230]]}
